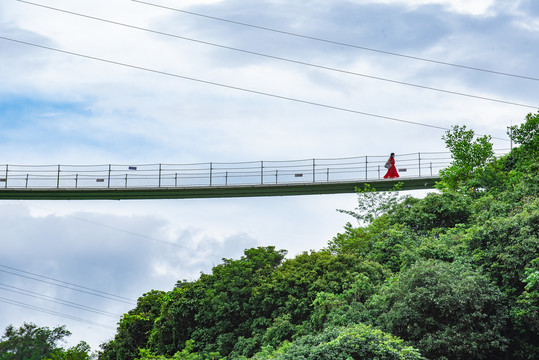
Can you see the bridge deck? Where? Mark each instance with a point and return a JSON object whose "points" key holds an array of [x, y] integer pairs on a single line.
{"points": [[216, 179], [191, 192]]}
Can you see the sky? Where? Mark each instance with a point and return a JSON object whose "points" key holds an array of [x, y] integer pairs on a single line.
{"points": [[163, 81]]}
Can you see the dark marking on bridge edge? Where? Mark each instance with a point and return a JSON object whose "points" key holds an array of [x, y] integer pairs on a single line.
{"points": [[212, 191]]}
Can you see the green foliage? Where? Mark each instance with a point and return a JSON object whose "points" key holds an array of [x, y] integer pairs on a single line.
{"points": [[468, 155], [391, 245], [293, 288], [526, 314], [342, 309], [352, 342], [351, 241], [280, 329], [527, 135], [446, 310], [436, 210], [504, 245], [217, 310], [267, 352], [405, 232], [81, 351], [185, 354], [257, 301], [372, 204], [439, 244], [30, 342], [134, 328], [490, 177], [382, 242]]}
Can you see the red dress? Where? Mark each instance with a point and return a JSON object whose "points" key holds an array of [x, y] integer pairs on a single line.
{"points": [[392, 171]]}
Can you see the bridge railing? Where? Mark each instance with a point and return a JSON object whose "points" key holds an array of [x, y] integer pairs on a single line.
{"points": [[219, 173]]}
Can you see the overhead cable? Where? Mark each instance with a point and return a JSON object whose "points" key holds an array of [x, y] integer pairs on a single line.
{"points": [[55, 313], [283, 59], [233, 87], [66, 285], [342, 43], [35, 295]]}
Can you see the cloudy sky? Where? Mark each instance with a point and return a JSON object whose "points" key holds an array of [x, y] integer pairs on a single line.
{"points": [[128, 82]]}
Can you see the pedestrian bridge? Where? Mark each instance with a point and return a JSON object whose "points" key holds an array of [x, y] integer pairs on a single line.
{"points": [[217, 179]]}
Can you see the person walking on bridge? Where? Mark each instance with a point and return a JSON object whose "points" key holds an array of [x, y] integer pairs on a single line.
{"points": [[391, 169]]}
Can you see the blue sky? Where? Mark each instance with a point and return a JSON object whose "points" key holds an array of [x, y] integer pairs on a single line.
{"points": [[109, 93]]}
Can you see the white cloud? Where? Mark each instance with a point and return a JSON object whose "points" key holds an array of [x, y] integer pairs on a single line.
{"points": [[467, 7], [524, 14]]}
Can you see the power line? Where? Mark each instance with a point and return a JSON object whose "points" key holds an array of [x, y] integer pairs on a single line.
{"points": [[55, 313], [35, 295], [283, 59], [67, 285], [341, 43], [234, 87]]}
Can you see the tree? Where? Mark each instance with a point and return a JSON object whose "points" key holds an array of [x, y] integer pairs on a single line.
{"points": [[446, 310], [504, 245], [81, 351], [527, 135], [134, 328], [358, 341], [185, 354], [436, 210], [294, 287], [468, 155], [217, 310], [526, 314], [30, 342]]}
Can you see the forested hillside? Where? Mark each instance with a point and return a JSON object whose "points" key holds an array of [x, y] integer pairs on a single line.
{"points": [[454, 275]]}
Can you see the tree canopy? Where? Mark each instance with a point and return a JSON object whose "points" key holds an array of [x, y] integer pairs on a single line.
{"points": [[30, 342]]}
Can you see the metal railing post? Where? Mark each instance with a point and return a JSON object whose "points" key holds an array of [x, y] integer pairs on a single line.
{"points": [[108, 177], [419, 160], [159, 175], [261, 172], [314, 170], [6, 174], [366, 167], [211, 173], [276, 176], [27, 180], [76, 180], [58, 178]]}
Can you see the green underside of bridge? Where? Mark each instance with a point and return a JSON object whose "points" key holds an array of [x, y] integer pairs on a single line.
{"points": [[211, 191]]}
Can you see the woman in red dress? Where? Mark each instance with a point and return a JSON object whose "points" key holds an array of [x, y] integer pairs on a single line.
{"points": [[392, 171]]}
